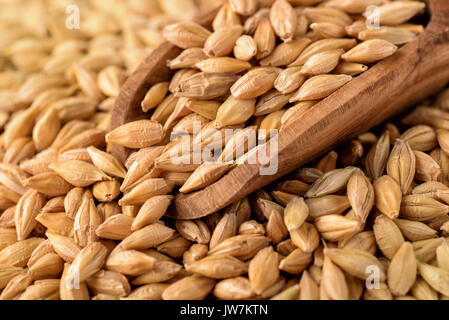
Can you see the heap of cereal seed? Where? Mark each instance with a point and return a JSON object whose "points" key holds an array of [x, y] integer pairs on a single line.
{"points": [[260, 65]]}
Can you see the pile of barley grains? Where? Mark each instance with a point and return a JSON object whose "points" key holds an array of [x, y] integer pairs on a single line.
{"points": [[263, 63], [366, 221]]}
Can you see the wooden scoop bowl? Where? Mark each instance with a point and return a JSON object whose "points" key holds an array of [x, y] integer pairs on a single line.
{"points": [[416, 71]]}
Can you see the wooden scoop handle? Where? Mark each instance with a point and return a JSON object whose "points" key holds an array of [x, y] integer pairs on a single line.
{"points": [[416, 71]]}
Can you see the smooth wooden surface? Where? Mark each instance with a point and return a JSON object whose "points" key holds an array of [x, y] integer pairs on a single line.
{"points": [[416, 71]]}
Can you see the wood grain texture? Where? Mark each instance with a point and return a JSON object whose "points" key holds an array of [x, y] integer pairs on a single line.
{"points": [[416, 71]]}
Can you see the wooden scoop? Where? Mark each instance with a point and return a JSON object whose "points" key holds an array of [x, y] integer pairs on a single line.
{"points": [[416, 71]]}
